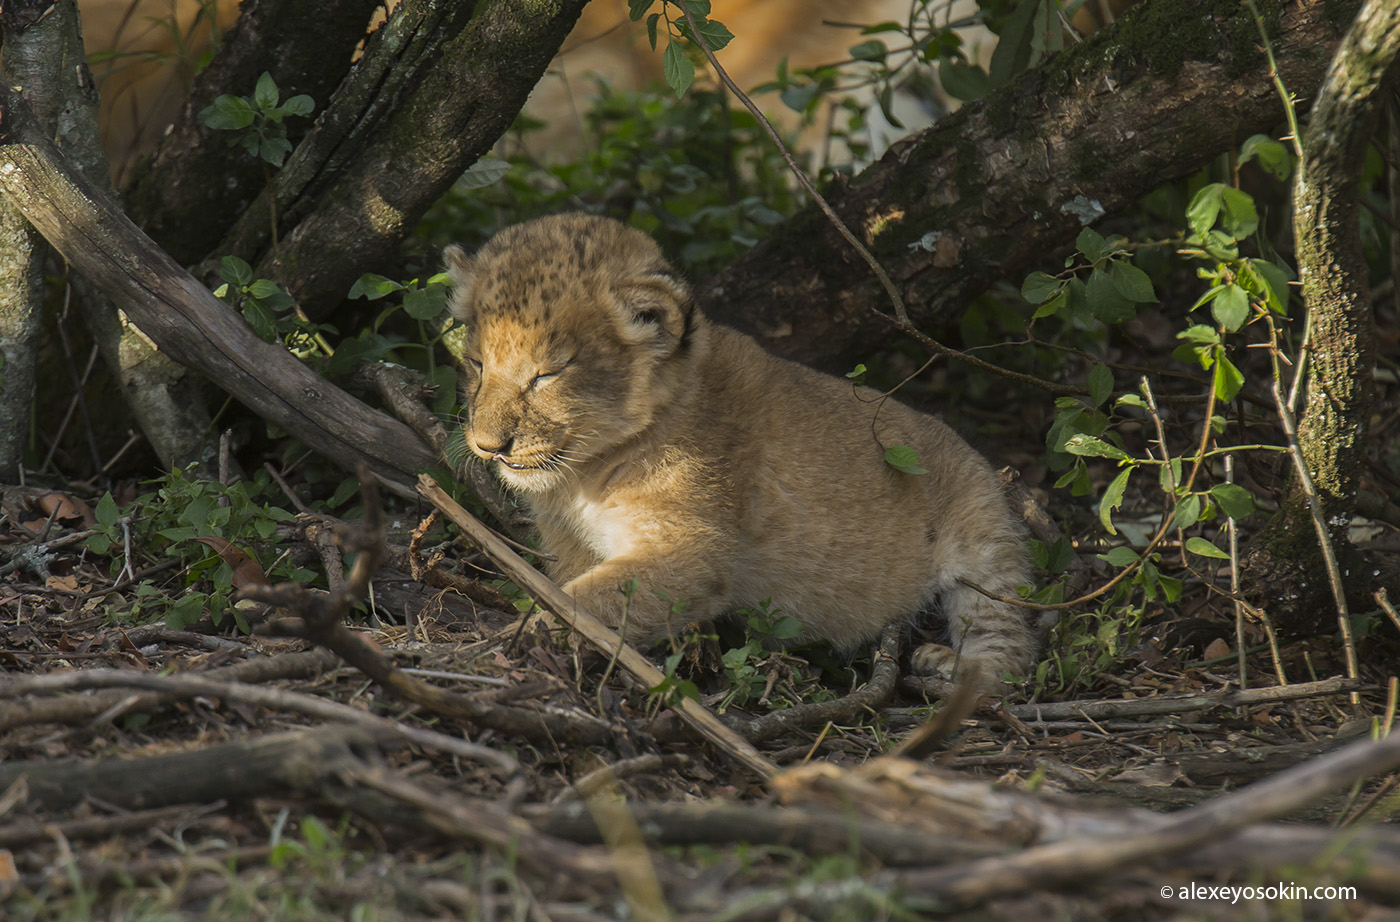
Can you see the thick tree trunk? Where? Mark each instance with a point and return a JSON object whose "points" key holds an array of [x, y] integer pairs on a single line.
{"points": [[364, 200], [1006, 183], [1286, 568], [1331, 263], [195, 184], [27, 62], [182, 319]]}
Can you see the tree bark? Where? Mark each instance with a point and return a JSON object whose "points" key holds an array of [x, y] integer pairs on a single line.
{"points": [[1331, 262], [393, 164], [181, 317], [22, 251], [1004, 184], [1286, 567], [195, 185]]}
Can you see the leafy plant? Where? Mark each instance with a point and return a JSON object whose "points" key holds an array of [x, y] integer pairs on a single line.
{"points": [[270, 311], [695, 173], [1101, 286], [679, 70], [258, 123], [204, 525], [766, 629]]}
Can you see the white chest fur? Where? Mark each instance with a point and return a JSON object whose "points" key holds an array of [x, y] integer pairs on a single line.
{"points": [[605, 528]]}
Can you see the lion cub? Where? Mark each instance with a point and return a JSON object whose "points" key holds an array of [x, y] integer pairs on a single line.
{"points": [[655, 445]]}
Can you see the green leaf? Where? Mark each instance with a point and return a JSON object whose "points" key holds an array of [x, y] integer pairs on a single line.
{"points": [[1203, 548], [107, 512], [372, 287], [680, 73], [1169, 476], [1273, 156], [1090, 243], [263, 289], [963, 81], [1188, 511], [1055, 304], [905, 459], [1090, 447], [1228, 379], [1241, 218], [651, 28], [261, 320], [1112, 499], [1132, 283], [484, 172], [1274, 281], [1013, 51], [1204, 208], [857, 374], [786, 627], [636, 9], [274, 150], [1120, 556], [300, 104], [98, 544], [1105, 303], [235, 271], [1039, 287], [228, 113], [425, 303], [1231, 308], [1100, 384], [1200, 334], [715, 34], [1235, 501], [1061, 555], [266, 94], [872, 50]]}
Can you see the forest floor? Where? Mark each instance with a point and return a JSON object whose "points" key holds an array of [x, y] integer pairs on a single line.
{"points": [[150, 772]]}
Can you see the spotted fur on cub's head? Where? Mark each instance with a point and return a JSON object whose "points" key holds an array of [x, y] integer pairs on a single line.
{"points": [[577, 329]]}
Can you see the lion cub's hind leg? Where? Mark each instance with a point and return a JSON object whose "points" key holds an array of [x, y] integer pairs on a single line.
{"points": [[994, 635]]}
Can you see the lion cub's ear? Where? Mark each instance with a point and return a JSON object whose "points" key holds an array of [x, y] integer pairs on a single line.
{"points": [[459, 268], [656, 307]]}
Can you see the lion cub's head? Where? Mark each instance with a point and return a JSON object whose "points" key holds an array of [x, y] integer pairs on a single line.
{"points": [[578, 336]]}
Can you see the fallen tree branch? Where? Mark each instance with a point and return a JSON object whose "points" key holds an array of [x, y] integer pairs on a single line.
{"points": [[995, 189], [278, 699], [1177, 704], [299, 760], [182, 317], [19, 706], [1081, 857]]}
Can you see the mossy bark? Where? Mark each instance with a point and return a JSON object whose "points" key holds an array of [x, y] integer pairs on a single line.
{"points": [[1332, 432], [999, 188]]}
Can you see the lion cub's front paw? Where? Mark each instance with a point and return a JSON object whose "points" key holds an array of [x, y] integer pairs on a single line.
{"points": [[943, 662]]}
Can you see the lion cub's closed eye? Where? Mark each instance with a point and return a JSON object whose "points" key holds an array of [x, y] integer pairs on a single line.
{"points": [[655, 445]]}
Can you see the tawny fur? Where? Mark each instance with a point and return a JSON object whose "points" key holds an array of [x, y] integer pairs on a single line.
{"points": [[655, 445]]}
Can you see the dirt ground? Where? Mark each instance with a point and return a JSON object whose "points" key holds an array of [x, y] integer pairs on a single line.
{"points": [[440, 758]]}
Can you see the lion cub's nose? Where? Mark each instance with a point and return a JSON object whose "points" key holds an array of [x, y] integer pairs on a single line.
{"points": [[493, 445]]}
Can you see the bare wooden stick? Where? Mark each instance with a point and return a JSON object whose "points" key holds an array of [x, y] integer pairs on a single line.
{"points": [[1176, 704], [1081, 857], [597, 634], [188, 686]]}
